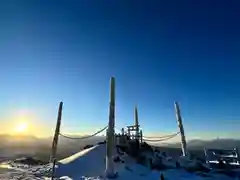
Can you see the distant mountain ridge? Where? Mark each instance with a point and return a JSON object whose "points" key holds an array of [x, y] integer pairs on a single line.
{"points": [[12, 140], [214, 143], [14, 146]]}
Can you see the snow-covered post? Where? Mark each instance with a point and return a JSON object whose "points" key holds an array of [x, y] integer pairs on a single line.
{"points": [[110, 133], [236, 150], [180, 125], [136, 123], [206, 155], [55, 139], [141, 136]]}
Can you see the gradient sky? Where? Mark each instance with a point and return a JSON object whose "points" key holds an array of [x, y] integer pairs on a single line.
{"points": [[159, 52]]}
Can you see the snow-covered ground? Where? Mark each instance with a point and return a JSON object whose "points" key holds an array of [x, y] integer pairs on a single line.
{"points": [[89, 164]]}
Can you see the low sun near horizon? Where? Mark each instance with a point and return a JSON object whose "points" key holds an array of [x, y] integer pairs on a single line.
{"points": [[21, 128]]}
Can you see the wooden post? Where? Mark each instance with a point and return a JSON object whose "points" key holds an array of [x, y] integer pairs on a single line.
{"points": [[141, 136], [55, 139], [122, 131], [136, 123], [56, 133], [129, 132], [206, 155], [180, 125], [110, 133]]}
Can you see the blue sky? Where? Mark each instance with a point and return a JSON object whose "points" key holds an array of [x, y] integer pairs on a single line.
{"points": [[159, 52]]}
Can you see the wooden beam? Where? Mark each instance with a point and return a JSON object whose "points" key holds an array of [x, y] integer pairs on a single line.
{"points": [[110, 132], [55, 139], [136, 123], [180, 125]]}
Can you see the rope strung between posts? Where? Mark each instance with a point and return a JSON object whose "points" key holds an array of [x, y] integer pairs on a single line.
{"points": [[84, 137], [158, 140], [161, 137]]}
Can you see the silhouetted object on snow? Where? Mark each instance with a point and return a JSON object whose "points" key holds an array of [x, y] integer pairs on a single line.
{"points": [[29, 161], [221, 165], [88, 146], [162, 177], [178, 165], [104, 142]]}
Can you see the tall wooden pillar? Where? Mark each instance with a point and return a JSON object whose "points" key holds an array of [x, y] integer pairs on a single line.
{"points": [[180, 125], [110, 133], [55, 139], [56, 133]]}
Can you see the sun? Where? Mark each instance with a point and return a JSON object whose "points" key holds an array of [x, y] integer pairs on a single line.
{"points": [[21, 128]]}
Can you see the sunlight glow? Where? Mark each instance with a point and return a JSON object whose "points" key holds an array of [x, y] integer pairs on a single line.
{"points": [[21, 128]]}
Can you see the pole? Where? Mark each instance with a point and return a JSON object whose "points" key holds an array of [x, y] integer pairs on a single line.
{"points": [[110, 133], [122, 131], [136, 123], [237, 155], [180, 125], [206, 155], [55, 139], [141, 136]]}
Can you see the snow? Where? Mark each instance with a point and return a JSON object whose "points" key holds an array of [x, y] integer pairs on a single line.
{"points": [[217, 162], [89, 164]]}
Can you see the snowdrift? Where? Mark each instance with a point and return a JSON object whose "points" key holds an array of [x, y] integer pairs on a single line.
{"points": [[89, 162]]}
